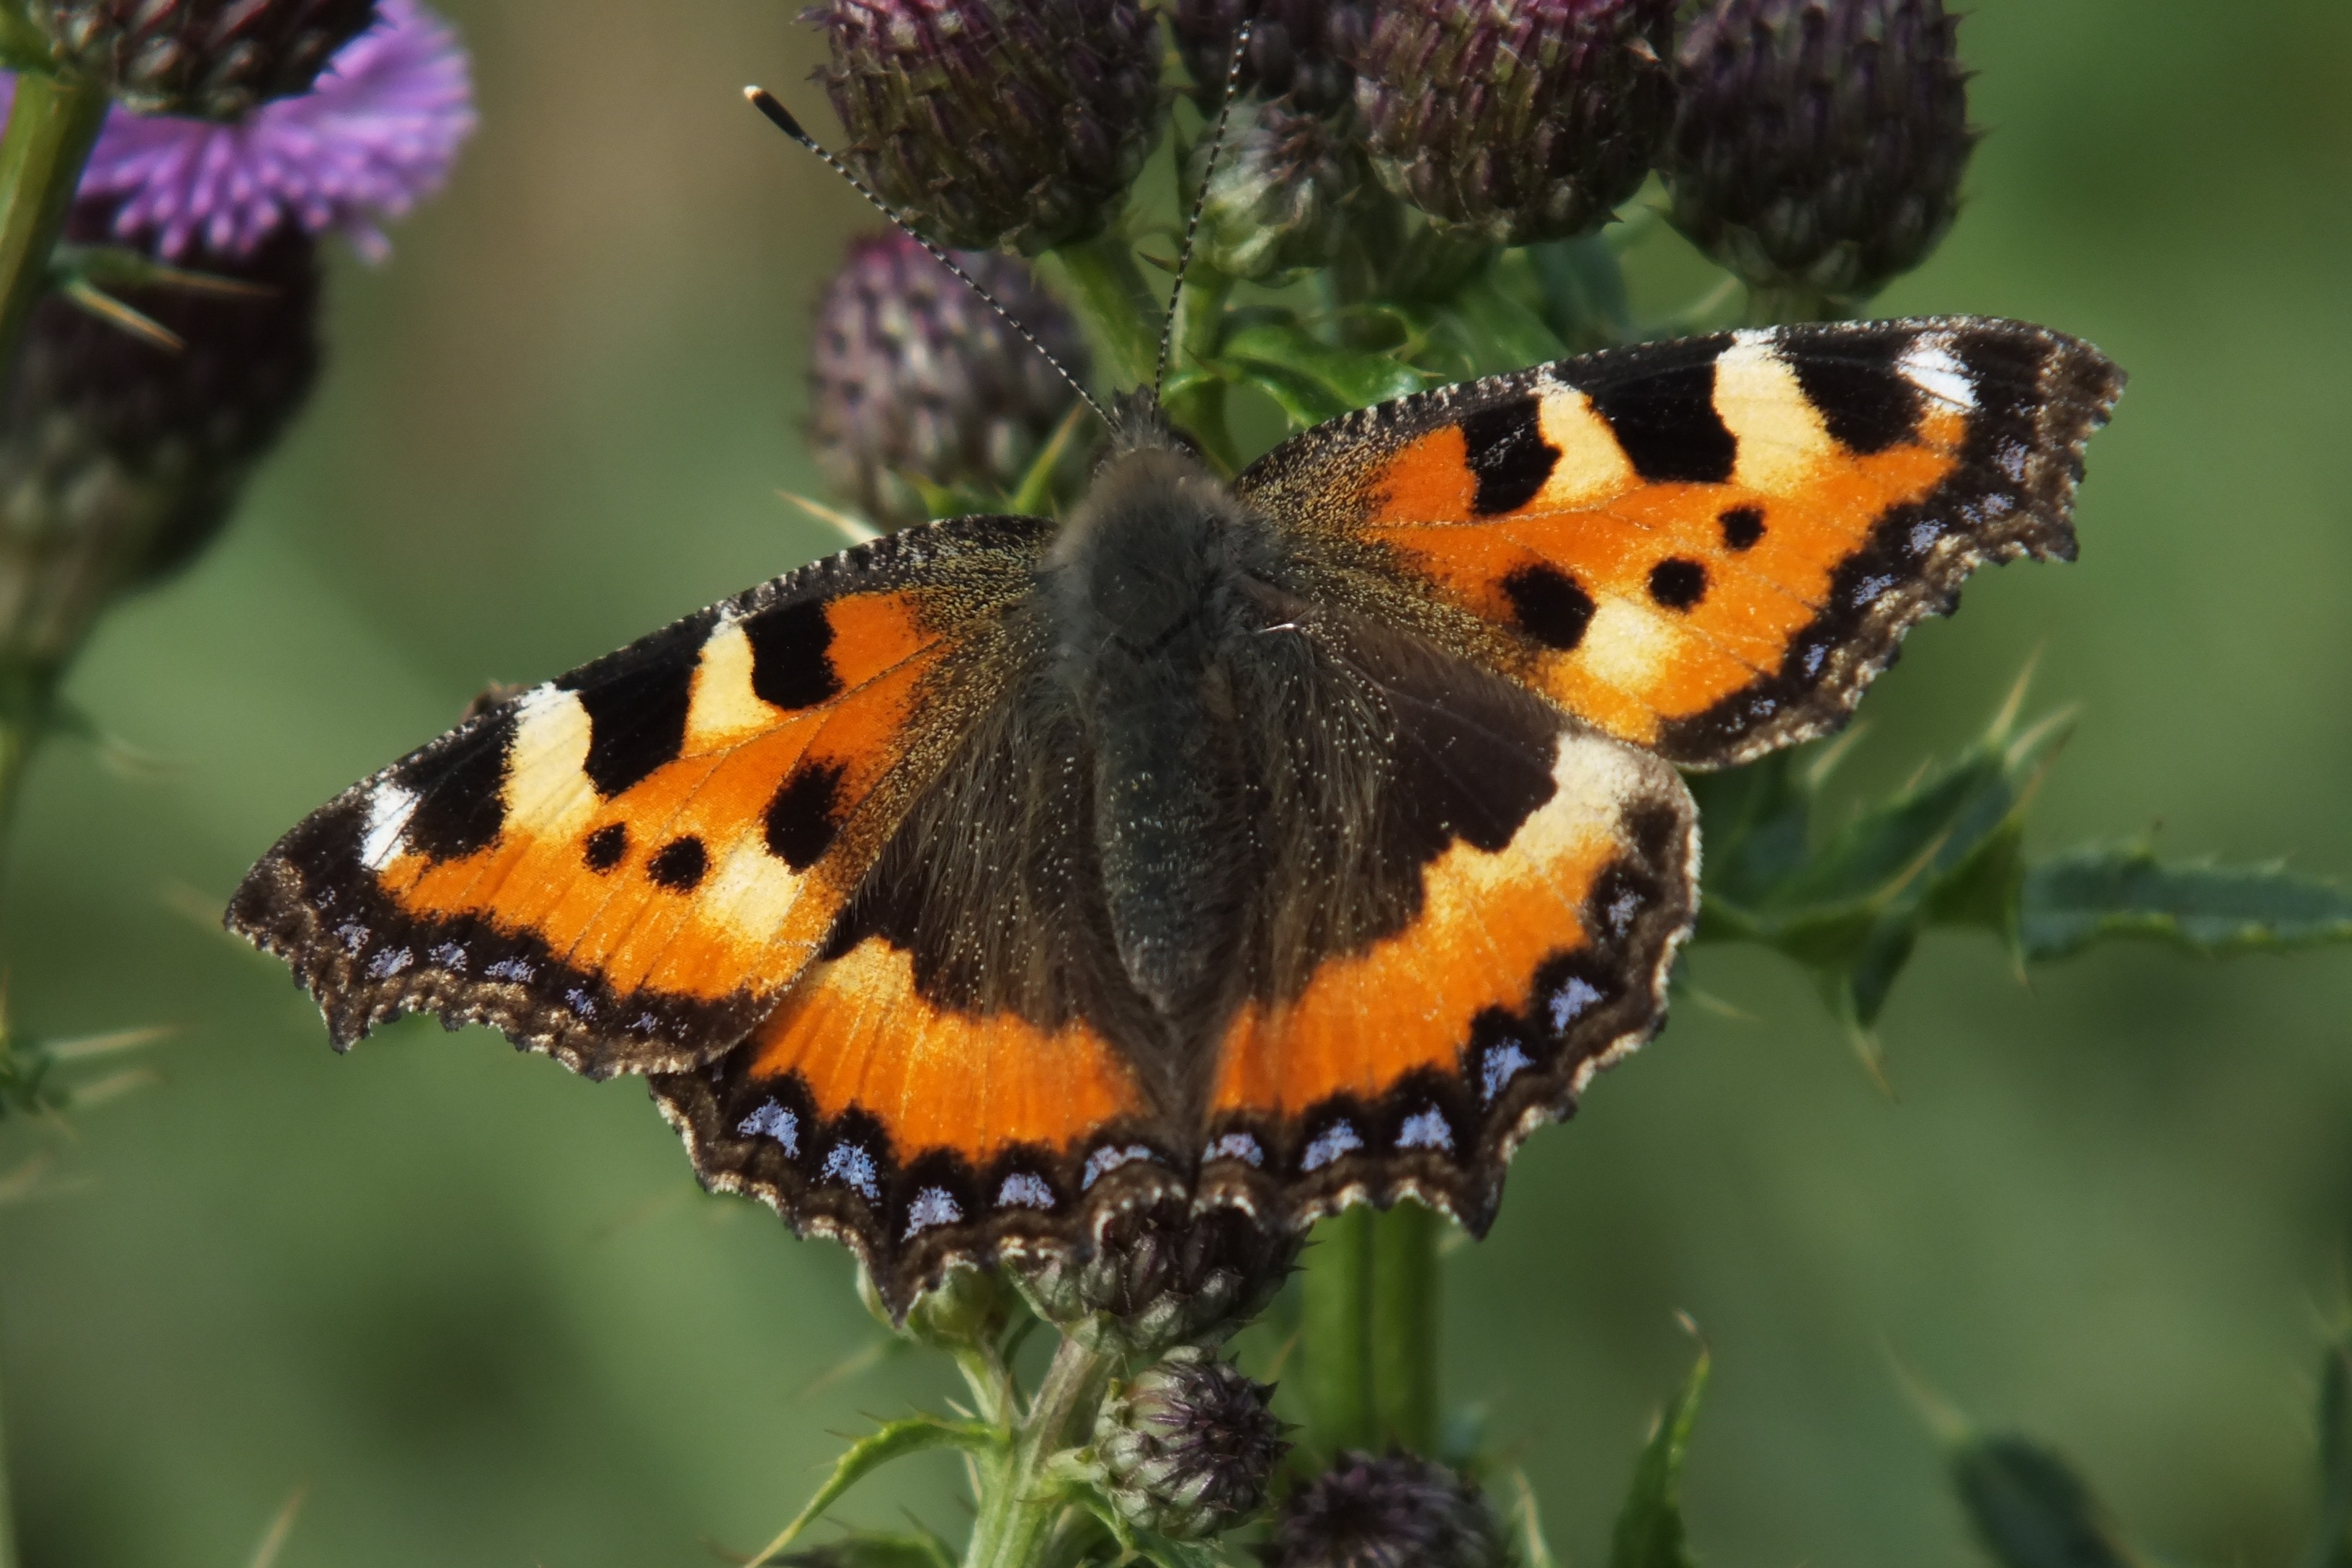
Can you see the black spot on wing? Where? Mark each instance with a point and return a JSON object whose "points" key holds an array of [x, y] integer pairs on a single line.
{"points": [[1853, 376], [1742, 527], [790, 662], [1505, 448], [801, 823], [1660, 401], [636, 701], [1548, 606], [1678, 583], [679, 865], [606, 847], [460, 785]]}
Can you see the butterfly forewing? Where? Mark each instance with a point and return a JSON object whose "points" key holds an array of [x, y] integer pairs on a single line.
{"points": [[627, 866], [1706, 547]]}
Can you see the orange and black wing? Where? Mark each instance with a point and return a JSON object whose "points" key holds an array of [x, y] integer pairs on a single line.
{"points": [[1466, 904], [965, 1062], [627, 867], [1443, 905], [1706, 547]]}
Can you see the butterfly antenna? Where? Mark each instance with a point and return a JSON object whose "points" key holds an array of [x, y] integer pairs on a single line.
{"points": [[1201, 197], [781, 117]]}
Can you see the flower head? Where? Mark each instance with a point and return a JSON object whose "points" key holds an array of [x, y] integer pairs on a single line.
{"points": [[996, 124], [1280, 196], [1400, 1511], [915, 381], [120, 460], [1158, 1275], [1187, 1446], [1516, 120], [375, 134], [213, 59], [1297, 48], [1820, 142]]}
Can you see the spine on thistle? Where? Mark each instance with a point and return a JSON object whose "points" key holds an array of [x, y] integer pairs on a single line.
{"points": [[1511, 121], [1820, 143], [996, 124]]}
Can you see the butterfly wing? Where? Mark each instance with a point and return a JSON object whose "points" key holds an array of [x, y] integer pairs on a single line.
{"points": [[1707, 547], [965, 1061], [627, 866], [1467, 903]]}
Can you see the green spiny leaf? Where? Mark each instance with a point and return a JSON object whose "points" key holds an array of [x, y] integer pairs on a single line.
{"points": [[2331, 1544], [1649, 1532], [896, 1441], [870, 1549], [1351, 378], [2031, 1510], [2070, 901]]}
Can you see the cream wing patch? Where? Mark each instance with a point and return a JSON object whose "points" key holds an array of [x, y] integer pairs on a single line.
{"points": [[722, 707], [547, 789], [1783, 440]]}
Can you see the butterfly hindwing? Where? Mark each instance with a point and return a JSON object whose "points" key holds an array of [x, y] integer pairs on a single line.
{"points": [[965, 1061], [1706, 547], [1470, 903], [627, 866]]}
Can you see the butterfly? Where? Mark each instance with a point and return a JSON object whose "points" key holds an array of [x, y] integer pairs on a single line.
{"points": [[1270, 843]]}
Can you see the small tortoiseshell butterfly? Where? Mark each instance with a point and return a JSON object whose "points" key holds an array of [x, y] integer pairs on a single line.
{"points": [[1272, 844]]}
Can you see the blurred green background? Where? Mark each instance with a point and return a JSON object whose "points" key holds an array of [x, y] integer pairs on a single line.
{"points": [[478, 1307]]}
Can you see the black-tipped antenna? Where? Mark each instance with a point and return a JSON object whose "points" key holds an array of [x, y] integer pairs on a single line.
{"points": [[781, 117], [1201, 197]]}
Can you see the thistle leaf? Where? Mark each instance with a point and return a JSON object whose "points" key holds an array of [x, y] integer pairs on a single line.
{"points": [[2069, 902], [2031, 1510], [1290, 355], [1649, 1532], [895, 1441], [2331, 1544]]}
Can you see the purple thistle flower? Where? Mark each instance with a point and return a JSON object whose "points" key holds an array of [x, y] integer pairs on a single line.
{"points": [[376, 133]]}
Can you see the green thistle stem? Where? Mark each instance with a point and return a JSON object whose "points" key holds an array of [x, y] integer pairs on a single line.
{"points": [[1019, 1502], [1770, 304], [1198, 404], [1335, 1351], [51, 129], [1367, 1338], [1404, 1338], [1104, 288]]}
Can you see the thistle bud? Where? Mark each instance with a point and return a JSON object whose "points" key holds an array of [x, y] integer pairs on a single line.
{"points": [[1516, 120], [1158, 1276], [1280, 196], [1391, 1512], [970, 1306], [998, 124], [1298, 49], [1186, 1446], [207, 60], [120, 459], [1820, 143], [915, 381]]}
